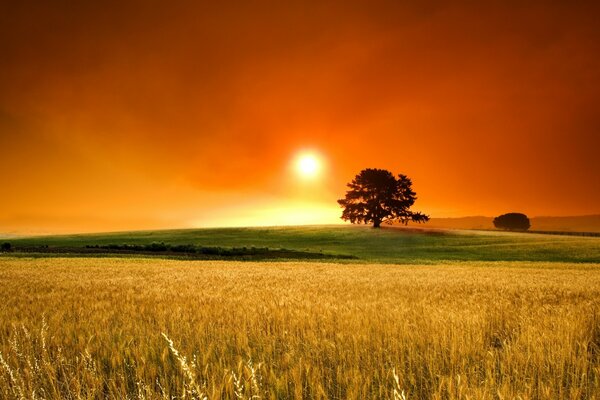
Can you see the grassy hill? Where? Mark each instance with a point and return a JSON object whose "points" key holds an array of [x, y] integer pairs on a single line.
{"points": [[386, 245]]}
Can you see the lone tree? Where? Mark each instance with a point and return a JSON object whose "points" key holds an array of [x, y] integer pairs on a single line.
{"points": [[376, 196], [512, 222]]}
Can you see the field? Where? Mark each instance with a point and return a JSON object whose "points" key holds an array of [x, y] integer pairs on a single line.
{"points": [[404, 321], [388, 245]]}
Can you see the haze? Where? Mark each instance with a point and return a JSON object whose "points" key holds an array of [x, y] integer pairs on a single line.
{"points": [[160, 115]]}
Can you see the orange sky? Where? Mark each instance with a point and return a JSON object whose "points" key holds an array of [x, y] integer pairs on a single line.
{"points": [[155, 115]]}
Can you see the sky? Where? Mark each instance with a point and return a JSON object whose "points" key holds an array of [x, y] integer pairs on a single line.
{"points": [[148, 114]]}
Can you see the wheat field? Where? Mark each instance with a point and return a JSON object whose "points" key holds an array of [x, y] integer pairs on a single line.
{"points": [[117, 328]]}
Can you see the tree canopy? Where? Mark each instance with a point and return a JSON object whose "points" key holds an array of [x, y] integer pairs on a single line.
{"points": [[512, 222], [376, 196]]}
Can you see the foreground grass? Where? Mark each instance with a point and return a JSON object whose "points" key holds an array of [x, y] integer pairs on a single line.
{"points": [[141, 328], [386, 245]]}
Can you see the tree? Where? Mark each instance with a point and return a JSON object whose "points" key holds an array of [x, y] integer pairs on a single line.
{"points": [[6, 246], [512, 222], [376, 196]]}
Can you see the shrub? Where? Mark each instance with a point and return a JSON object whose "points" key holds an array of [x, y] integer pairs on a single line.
{"points": [[184, 248], [157, 247], [512, 222]]}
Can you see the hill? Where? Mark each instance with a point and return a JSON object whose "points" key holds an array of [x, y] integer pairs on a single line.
{"points": [[585, 223], [386, 245]]}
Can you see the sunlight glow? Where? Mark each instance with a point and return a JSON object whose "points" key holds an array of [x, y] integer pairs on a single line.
{"points": [[308, 164], [279, 213]]}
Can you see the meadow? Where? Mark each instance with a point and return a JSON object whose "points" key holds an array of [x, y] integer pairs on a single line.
{"points": [[436, 328], [386, 245]]}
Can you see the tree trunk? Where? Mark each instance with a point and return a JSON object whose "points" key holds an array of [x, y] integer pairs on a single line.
{"points": [[376, 223]]}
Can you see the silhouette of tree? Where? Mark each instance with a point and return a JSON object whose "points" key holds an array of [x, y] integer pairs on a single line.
{"points": [[6, 246], [512, 222], [376, 196]]}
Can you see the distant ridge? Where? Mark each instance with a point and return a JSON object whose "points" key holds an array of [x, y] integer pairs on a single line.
{"points": [[586, 223], [583, 223]]}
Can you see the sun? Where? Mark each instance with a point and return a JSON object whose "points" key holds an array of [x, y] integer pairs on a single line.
{"points": [[308, 164]]}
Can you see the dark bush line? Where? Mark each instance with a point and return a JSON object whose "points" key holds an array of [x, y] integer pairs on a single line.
{"points": [[188, 251]]}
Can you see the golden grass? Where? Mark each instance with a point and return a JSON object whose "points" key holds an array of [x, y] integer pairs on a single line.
{"points": [[142, 328]]}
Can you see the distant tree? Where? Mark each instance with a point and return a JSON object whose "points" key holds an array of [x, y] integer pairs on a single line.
{"points": [[6, 246], [512, 222], [376, 196]]}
